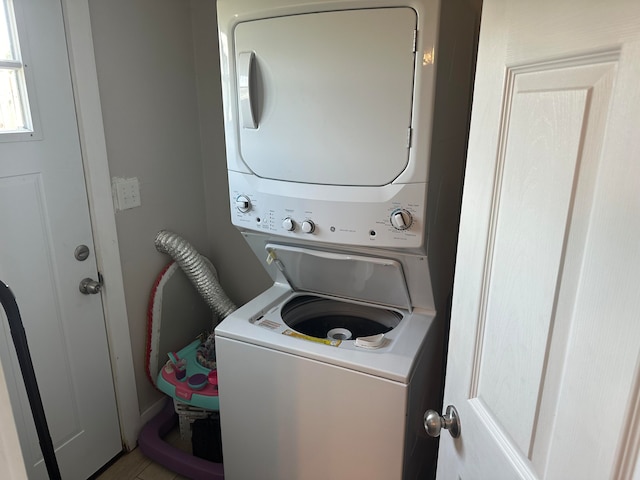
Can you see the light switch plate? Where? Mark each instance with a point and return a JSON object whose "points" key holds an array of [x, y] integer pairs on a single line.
{"points": [[126, 193]]}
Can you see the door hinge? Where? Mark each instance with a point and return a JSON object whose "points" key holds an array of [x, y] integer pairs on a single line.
{"points": [[415, 41], [409, 135]]}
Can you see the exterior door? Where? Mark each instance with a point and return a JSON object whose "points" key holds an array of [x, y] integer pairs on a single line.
{"points": [[43, 219], [545, 336]]}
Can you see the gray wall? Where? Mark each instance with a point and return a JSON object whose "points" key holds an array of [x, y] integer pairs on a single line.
{"points": [[240, 272], [158, 73]]}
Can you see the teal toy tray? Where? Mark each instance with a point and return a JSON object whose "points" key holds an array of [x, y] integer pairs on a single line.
{"points": [[180, 390]]}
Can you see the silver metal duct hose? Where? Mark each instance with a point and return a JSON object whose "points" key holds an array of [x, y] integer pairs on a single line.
{"points": [[194, 266], [198, 272]]}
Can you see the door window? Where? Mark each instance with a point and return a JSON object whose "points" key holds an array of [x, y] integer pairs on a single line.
{"points": [[14, 107]]}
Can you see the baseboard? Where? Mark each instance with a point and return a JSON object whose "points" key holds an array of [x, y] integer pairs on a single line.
{"points": [[153, 410]]}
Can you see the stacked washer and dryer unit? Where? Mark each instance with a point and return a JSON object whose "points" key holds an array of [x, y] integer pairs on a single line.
{"points": [[345, 126]]}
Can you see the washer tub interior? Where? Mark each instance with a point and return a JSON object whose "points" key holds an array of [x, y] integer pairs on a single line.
{"points": [[327, 318]]}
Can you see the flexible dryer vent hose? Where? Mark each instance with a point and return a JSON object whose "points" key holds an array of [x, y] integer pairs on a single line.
{"points": [[194, 266]]}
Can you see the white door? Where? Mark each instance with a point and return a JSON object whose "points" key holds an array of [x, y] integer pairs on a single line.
{"points": [[545, 336], [43, 218]]}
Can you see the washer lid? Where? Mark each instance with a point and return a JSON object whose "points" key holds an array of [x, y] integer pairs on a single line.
{"points": [[369, 279]]}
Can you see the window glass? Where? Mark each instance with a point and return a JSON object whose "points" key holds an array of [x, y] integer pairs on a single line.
{"points": [[6, 49], [14, 110], [11, 115]]}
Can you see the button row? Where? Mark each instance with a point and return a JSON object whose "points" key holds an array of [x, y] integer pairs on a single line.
{"points": [[307, 226]]}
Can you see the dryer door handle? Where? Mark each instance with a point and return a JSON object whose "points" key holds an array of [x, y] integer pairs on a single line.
{"points": [[246, 61]]}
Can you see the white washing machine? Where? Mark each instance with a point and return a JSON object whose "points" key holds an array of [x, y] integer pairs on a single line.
{"points": [[345, 150], [327, 374]]}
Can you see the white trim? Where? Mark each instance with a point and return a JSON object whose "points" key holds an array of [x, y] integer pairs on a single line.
{"points": [[627, 466], [97, 177], [10, 64]]}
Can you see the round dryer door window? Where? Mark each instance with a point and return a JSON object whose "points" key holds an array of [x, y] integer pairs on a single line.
{"points": [[326, 318]]}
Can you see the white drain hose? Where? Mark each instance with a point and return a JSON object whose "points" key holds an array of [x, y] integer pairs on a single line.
{"points": [[193, 265]]}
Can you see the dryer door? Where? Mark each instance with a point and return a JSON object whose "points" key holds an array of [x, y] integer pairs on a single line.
{"points": [[326, 98]]}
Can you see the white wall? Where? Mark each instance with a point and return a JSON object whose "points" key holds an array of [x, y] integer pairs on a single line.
{"points": [[158, 75]]}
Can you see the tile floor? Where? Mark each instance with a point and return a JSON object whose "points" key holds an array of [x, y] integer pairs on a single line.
{"points": [[135, 466]]}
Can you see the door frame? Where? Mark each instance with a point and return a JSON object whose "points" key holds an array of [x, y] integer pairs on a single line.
{"points": [[84, 79]]}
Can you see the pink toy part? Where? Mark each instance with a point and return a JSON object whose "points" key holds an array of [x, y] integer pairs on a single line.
{"points": [[181, 374], [184, 390]]}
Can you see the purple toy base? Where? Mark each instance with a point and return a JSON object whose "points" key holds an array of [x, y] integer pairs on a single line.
{"points": [[154, 447]]}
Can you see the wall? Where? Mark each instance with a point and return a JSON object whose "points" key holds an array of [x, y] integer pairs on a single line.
{"points": [[158, 75], [241, 274], [146, 77]]}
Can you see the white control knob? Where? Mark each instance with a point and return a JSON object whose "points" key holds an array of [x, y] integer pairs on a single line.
{"points": [[288, 224], [308, 226], [401, 219], [243, 203]]}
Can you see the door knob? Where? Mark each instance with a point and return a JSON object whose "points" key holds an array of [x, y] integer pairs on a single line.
{"points": [[434, 423], [88, 286]]}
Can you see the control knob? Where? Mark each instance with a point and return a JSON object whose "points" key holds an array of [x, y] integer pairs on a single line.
{"points": [[288, 224], [308, 226], [243, 203], [401, 219]]}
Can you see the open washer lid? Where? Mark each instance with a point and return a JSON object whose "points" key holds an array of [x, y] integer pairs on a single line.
{"points": [[357, 277]]}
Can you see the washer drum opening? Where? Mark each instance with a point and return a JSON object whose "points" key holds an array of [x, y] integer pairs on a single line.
{"points": [[326, 318]]}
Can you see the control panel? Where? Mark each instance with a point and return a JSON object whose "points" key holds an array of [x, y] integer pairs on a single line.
{"points": [[390, 216]]}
